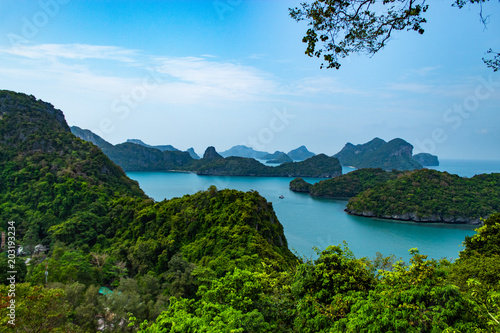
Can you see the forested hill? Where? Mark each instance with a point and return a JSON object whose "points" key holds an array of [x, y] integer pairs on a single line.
{"points": [[60, 188], [101, 229], [345, 186], [47, 175], [431, 196]]}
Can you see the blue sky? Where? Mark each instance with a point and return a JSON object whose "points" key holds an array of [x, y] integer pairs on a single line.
{"points": [[228, 72]]}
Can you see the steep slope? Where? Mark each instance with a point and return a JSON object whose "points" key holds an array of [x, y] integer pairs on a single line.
{"points": [[193, 154], [48, 175], [87, 135], [216, 229], [351, 155], [59, 188]]}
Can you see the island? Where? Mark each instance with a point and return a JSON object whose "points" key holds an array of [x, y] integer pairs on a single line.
{"points": [[347, 185], [216, 260], [137, 156], [243, 151], [279, 159], [395, 154], [318, 166], [426, 159], [431, 196]]}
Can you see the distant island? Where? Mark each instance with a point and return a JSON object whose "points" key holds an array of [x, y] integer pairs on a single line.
{"points": [[135, 155], [426, 159], [299, 154], [395, 154], [279, 159], [243, 151], [160, 147], [319, 166]]}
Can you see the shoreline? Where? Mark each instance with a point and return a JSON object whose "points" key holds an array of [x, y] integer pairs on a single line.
{"points": [[412, 217]]}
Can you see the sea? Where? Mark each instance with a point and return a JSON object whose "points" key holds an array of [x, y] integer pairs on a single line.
{"points": [[311, 224]]}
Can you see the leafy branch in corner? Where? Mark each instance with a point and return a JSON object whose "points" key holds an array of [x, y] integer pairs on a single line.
{"points": [[338, 28]]}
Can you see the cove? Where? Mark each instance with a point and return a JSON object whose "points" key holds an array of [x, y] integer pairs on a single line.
{"points": [[311, 222]]}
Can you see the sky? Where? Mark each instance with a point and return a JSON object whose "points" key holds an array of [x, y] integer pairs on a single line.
{"points": [[228, 72]]}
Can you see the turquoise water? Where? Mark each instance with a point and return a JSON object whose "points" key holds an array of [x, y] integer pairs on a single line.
{"points": [[311, 222]]}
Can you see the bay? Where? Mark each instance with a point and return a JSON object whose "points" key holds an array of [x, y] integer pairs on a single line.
{"points": [[314, 222]]}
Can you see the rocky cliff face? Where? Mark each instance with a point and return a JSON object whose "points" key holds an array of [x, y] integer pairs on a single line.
{"points": [[88, 136], [211, 154], [395, 154], [415, 218], [193, 154], [400, 148]]}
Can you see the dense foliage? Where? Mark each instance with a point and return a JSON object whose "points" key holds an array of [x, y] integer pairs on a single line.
{"points": [[300, 185], [429, 195], [337, 29], [395, 154], [48, 176], [340, 293], [345, 186]]}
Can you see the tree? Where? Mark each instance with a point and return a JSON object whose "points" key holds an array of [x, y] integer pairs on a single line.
{"points": [[37, 309], [364, 26]]}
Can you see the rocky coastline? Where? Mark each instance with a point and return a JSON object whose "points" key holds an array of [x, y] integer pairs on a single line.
{"points": [[421, 219]]}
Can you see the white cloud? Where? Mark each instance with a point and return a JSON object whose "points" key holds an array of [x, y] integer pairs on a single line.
{"points": [[198, 76], [184, 80]]}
